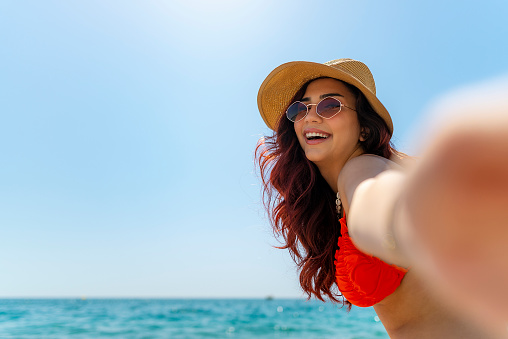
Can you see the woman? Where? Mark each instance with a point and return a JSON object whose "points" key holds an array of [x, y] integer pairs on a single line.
{"points": [[331, 142]]}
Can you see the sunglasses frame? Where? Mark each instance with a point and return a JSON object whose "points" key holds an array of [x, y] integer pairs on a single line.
{"points": [[307, 106]]}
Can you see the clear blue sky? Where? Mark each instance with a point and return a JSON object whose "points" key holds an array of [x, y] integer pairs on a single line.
{"points": [[128, 130]]}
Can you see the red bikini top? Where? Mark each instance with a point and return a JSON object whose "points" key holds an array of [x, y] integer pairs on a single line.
{"points": [[362, 279]]}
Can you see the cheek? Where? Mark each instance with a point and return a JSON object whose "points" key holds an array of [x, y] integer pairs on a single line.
{"points": [[352, 126], [298, 135]]}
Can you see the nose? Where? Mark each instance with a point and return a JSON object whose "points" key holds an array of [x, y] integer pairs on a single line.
{"points": [[312, 115]]}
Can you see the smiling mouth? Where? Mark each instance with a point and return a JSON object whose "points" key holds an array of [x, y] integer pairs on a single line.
{"points": [[316, 136]]}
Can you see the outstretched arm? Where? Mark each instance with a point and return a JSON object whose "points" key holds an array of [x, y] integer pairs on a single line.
{"points": [[370, 187], [448, 216]]}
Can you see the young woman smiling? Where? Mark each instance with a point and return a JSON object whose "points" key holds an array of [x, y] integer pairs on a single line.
{"points": [[330, 160]]}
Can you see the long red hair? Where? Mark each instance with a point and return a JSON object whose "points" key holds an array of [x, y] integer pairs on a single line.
{"points": [[301, 205]]}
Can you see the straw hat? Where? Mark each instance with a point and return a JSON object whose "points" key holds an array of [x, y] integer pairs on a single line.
{"points": [[281, 85]]}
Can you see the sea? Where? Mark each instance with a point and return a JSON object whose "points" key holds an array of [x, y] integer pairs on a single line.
{"points": [[185, 318]]}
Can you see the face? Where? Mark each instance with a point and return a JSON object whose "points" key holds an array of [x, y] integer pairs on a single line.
{"points": [[337, 139]]}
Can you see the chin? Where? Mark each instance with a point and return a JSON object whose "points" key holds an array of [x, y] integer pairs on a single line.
{"points": [[315, 157]]}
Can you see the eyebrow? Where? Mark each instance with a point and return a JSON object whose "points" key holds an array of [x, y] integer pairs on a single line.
{"points": [[322, 96]]}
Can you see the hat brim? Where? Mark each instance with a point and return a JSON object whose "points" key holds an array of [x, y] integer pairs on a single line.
{"points": [[281, 85]]}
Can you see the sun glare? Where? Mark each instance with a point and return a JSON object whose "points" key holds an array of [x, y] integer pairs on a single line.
{"points": [[215, 14]]}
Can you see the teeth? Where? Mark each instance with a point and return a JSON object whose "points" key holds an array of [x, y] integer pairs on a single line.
{"points": [[314, 134]]}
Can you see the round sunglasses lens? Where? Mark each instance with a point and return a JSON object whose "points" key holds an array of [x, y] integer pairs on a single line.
{"points": [[328, 107], [296, 111]]}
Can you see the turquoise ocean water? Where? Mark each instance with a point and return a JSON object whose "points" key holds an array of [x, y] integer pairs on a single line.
{"points": [[184, 318]]}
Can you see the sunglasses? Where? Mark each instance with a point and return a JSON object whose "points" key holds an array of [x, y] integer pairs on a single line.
{"points": [[326, 108]]}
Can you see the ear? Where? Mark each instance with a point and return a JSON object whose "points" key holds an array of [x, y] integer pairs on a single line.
{"points": [[364, 133]]}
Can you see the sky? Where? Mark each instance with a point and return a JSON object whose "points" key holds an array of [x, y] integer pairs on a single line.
{"points": [[128, 130]]}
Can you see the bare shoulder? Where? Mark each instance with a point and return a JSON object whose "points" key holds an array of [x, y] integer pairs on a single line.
{"points": [[370, 161], [364, 167]]}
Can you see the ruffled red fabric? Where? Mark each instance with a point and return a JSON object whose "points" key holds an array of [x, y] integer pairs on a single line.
{"points": [[362, 279]]}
